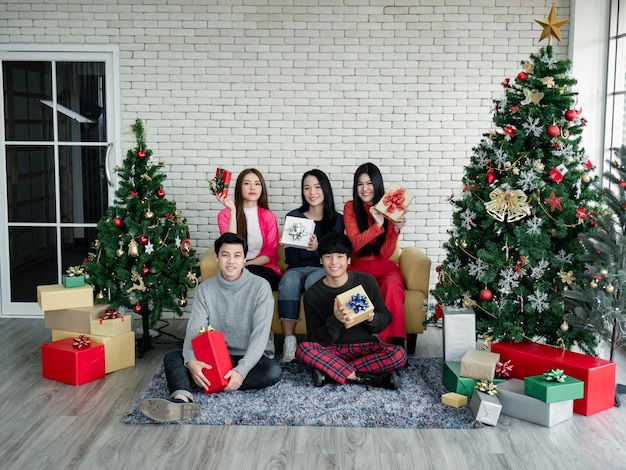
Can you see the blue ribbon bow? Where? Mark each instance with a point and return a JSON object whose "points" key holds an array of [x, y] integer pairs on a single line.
{"points": [[358, 303]]}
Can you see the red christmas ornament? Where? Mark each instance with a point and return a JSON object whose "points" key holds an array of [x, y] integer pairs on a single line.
{"points": [[160, 192], [438, 311], [553, 131], [570, 115], [141, 154], [622, 184], [145, 270], [118, 222], [491, 177], [485, 295], [137, 308], [523, 76], [143, 239], [556, 175]]}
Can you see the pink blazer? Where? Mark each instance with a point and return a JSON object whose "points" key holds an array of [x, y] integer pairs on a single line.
{"points": [[269, 231]]}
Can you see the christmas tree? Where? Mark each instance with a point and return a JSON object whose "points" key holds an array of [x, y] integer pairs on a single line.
{"points": [[598, 304], [528, 196], [143, 258]]}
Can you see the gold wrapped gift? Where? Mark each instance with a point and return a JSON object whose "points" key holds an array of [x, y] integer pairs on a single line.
{"points": [[357, 300]]}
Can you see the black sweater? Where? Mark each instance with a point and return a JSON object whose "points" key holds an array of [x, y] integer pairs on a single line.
{"points": [[321, 324]]}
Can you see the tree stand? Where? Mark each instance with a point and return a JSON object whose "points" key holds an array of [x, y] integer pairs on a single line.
{"points": [[147, 342]]}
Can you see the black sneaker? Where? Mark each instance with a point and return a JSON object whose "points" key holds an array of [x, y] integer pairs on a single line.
{"points": [[388, 380], [319, 379], [162, 410]]}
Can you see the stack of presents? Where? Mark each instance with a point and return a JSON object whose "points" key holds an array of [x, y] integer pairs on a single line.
{"points": [[534, 382], [88, 341]]}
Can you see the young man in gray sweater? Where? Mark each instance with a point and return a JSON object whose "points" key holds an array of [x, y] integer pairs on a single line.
{"points": [[240, 305]]}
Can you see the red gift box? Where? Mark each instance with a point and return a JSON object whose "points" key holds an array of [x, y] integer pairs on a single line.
{"points": [[210, 347], [61, 361], [221, 182], [529, 359]]}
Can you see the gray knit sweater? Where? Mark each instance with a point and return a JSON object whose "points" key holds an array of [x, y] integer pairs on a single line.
{"points": [[241, 309]]}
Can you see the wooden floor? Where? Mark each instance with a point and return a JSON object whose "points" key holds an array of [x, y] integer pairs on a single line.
{"points": [[47, 424]]}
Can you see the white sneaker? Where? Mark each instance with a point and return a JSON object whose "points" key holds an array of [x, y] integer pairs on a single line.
{"points": [[289, 348]]}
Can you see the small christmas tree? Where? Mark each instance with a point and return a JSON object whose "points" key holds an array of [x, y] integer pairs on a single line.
{"points": [[143, 258], [528, 196], [598, 304]]}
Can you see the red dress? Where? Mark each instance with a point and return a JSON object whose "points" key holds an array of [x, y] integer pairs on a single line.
{"points": [[385, 270]]}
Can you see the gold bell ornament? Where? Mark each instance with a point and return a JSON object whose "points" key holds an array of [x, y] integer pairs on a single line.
{"points": [[133, 248]]}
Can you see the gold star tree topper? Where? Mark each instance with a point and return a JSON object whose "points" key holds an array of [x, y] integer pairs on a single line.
{"points": [[551, 26]]}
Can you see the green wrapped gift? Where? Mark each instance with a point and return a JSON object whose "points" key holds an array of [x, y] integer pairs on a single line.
{"points": [[453, 381], [73, 281], [549, 391]]}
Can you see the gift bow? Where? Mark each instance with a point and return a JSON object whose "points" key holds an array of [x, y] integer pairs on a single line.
{"points": [[487, 387], [555, 375], [110, 314], [358, 303], [218, 184], [75, 271], [297, 231], [394, 201], [503, 369], [81, 342], [204, 329]]}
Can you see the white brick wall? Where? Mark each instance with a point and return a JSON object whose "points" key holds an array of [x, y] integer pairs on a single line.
{"points": [[288, 85]]}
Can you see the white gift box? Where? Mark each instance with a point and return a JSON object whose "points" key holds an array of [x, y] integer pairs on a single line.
{"points": [[459, 333], [517, 404], [297, 232], [486, 408]]}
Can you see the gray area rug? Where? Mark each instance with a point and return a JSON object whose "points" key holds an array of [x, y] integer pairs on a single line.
{"points": [[295, 401]]}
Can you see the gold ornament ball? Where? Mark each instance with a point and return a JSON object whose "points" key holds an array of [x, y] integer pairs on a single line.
{"points": [[564, 326], [593, 284], [149, 215], [609, 288], [585, 178], [182, 302], [100, 295], [119, 253]]}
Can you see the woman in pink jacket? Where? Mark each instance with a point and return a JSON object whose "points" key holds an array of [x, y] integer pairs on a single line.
{"points": [[250, 217]]}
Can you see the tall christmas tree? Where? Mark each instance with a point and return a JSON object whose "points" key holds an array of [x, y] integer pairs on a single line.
{"points": [[528, 196], [598, 303], [143, 258]]}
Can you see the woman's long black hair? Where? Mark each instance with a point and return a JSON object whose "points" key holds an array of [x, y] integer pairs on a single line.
{"points": [[359, 208], [329, 218]]}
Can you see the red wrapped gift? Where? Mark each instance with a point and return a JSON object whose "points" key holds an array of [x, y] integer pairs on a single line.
{"points": [[531, 359], [221, 182], [62, 361], [210, 347]]}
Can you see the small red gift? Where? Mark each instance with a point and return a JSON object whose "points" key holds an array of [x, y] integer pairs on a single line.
{"points": [[210, 347], [394, 202], [73, 361], [221, 182]]}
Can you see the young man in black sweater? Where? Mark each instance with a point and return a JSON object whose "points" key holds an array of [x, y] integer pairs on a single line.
{"points": [[346, 355]]}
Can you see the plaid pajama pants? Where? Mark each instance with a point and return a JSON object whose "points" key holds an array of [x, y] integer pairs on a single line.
{"points": [[338, 361]]}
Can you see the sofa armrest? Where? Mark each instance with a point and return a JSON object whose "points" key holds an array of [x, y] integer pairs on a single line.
{"points": [[415, 268], [208, 264]]}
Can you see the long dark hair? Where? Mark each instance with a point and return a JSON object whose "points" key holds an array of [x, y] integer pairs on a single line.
{"points": [[329, 217], [242, 226], [359, 208]]}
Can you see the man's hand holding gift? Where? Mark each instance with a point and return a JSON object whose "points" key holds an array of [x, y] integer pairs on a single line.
{"points": [[195, 367]]}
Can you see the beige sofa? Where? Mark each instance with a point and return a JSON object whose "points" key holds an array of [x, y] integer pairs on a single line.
{"points": [[415, 267]]}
